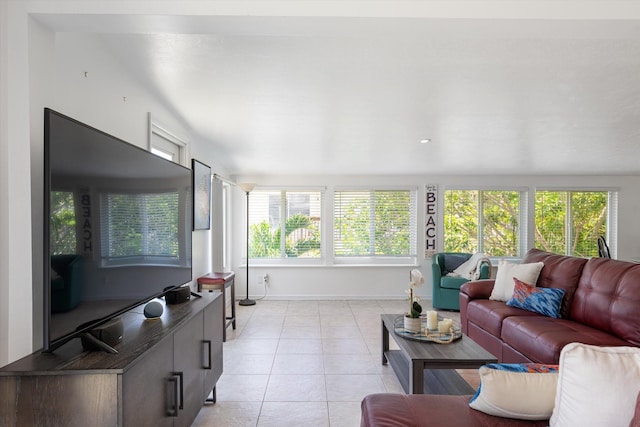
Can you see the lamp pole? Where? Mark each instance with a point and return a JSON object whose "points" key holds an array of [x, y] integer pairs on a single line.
{"points": [[247, 187]]}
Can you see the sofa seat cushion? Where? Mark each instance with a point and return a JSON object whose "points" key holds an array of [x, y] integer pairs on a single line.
{"points": [[448, 282], [489, 314], [420, 410], [541, 338]]}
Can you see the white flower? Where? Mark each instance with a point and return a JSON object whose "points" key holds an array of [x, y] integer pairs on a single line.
{"points": [[417, 279]]}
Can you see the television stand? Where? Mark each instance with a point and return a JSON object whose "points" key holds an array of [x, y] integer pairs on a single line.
{"points": [[96, 343], [159, 365]]}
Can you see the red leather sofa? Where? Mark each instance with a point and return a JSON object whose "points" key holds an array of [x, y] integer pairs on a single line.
{"points": [[601, 306], [420, 410]]}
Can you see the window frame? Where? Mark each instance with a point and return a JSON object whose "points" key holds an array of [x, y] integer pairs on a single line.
{"points": [[166, 144]]}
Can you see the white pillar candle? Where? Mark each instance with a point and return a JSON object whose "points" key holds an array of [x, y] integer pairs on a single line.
{"points": [[432, 319], [444, 326]]}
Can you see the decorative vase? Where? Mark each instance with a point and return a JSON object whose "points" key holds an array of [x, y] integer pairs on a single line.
{"points": [[412, 324]]}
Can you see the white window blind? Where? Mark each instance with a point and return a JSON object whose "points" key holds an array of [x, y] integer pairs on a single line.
{"points": [[139, 228], [375, 223]]}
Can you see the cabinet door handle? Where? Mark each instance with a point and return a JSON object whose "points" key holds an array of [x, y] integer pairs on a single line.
{"points": [[180, 376], [172, 407], [208, 364]]}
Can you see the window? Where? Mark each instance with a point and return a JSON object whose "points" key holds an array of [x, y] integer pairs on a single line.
{"points": [[375, 224], [285, 224], [486, 221], [166, 144], [569, 222], [62, 228], [139, 228], [226, 215]]}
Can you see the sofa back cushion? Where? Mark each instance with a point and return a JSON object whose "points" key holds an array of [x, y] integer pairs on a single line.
{"points": [[559, 271], [608, 298]]}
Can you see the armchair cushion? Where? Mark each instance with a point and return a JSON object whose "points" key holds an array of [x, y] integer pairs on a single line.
{"points": [[453, 261], [452, 282], [66, 282]]}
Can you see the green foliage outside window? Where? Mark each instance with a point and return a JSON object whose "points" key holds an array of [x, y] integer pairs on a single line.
{"points": [[566, 222], [482, 221], [285, 224], [302, 238], [569, 222], [62, 226]]}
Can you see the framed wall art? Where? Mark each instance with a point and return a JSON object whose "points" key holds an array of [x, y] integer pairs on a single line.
{"points": [[201, 195]]}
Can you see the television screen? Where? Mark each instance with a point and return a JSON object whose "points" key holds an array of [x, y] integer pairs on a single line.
{"points": [[118, 223]]}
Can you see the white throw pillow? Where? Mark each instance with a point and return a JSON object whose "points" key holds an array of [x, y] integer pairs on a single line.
{"points": [[597, 386], [520, 391], [504, 284]]}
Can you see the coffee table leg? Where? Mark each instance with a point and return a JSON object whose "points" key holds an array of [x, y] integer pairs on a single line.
{"points": [[416, 377], [385, 343]]}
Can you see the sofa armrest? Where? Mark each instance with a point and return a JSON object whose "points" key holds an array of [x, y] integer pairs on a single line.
{"points": [[475, 289], [436, 272], [430, 410], [478, 289]]}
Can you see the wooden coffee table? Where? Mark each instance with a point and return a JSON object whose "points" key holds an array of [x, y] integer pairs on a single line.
{"points": [[423, 367]]}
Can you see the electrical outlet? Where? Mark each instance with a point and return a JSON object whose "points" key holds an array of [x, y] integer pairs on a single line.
{"points": [[265, 279]]}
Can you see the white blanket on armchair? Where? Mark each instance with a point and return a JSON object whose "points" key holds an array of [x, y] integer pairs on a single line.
{"points": [[470, 269]]}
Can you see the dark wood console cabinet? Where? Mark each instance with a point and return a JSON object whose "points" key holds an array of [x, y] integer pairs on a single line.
{"points": [[164, 370]]}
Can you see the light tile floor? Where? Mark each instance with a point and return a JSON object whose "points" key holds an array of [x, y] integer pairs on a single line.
{"points": [[295, 363]]}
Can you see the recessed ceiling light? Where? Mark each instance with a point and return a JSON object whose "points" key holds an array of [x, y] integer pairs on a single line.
{"points": [[425, 141]]}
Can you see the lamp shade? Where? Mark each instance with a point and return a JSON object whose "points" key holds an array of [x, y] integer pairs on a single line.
{"points": [[247, 186]]}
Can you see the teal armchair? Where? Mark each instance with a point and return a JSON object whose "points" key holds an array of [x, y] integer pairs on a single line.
{"points": [[446, 289], [66, 286]]}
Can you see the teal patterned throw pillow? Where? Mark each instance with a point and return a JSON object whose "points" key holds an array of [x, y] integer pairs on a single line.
{"points": [[546, 301]]}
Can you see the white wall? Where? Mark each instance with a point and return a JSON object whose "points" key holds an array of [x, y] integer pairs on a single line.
{"points": [[28, 83], [335, 282], [15, 204], [43, 69], [41, 75]]}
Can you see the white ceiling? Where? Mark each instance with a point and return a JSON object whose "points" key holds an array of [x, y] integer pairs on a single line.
{"points": [[322, 95]]}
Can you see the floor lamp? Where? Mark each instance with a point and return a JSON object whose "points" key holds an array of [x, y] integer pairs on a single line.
{"points": [[247, 187]]}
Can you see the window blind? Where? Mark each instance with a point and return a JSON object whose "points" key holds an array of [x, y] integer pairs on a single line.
{"points": [[375, 223], [139, 225]]}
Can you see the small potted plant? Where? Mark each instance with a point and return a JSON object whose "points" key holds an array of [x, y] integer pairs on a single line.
{"points": [[412, 322]]}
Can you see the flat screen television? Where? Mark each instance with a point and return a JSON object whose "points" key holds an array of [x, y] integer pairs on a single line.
{"points": [[117, 227]]}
